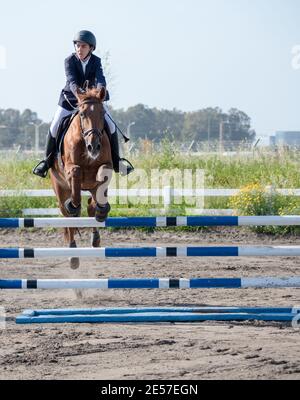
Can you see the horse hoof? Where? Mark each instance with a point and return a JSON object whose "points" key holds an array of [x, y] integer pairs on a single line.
{"points": [[74, 262], [71, 210], [102, 212], [96, 239]]}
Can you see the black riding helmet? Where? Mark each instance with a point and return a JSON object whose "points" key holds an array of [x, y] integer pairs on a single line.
{"points": [[85, 36]]}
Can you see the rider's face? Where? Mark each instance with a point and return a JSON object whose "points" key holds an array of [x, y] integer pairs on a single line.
{"points": [[82, 49]]}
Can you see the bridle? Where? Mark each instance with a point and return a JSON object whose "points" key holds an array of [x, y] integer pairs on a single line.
{"points": [[93, 130]]}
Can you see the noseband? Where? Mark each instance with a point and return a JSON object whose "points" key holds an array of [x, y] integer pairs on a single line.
{"points": [[93, 130]]}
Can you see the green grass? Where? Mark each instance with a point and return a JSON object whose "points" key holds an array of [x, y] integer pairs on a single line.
{"points": [[279, 169]]}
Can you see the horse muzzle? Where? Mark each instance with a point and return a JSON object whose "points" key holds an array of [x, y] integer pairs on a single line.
{"points": [[93, 150]]}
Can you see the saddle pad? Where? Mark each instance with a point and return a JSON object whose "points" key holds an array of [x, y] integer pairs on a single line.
{"points": [[62, 130]]}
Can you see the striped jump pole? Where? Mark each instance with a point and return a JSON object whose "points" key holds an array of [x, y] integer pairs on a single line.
{"points": [[151, 315], [106, 252], [152, 283], [123, 222], [134, 310]]}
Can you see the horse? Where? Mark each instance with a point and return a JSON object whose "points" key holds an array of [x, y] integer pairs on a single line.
{"points": [[85, 164]]}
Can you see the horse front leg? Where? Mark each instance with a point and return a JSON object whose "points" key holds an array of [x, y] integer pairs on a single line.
{"points": [[102, 208], [69, 233], [73, 204], [70, 237]]}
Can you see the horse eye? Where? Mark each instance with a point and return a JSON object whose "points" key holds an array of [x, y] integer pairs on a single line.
{"points": [[82, 114]]}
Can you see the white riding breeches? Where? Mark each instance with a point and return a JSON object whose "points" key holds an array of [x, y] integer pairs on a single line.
{"points": [[107, 116], [58, 116], [62, 113]]}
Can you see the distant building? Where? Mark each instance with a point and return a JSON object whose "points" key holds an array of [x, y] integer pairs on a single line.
{"points": [[272, 141], [286, 138]]}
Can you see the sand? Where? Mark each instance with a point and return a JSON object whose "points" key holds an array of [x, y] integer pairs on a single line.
{"points": [[206, 350]]}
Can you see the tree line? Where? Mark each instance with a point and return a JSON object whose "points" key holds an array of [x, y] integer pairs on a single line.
{"points": [[142, 122]]}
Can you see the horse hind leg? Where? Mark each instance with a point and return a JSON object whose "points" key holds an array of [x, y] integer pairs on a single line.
{"points": [[69, 237], [91, 209], [74, 261], [63, 194]]}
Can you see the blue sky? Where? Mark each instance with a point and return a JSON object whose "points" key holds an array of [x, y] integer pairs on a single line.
{"points": [[184, 54]]}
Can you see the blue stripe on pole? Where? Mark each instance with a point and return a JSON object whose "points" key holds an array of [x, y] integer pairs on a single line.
{"points": [[212, 251], [215, 282], [133, 283], [10, 284], [131, 252], [9, 222], [9, 253], [131, 222], [212, 221]]}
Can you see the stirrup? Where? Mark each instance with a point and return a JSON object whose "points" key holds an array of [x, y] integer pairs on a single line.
{"points": [[125, 169], [43, 170]]}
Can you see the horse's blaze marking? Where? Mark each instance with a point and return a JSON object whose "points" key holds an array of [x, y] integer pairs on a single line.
{"points": [[91, 156]]}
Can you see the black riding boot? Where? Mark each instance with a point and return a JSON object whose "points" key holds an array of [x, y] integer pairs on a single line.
{"points": [[120, 165], [42, 168]]}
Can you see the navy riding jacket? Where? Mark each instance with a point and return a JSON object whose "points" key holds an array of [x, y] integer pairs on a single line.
{"points": [[76, 78]]}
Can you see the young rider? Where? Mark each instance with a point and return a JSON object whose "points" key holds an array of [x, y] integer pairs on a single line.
{"points": [[80, 67]]}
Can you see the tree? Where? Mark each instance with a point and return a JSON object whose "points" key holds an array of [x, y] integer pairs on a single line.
{"points": [[240, 126]]}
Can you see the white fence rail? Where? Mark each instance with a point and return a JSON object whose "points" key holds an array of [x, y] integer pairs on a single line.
{"points": [[56, 211], [165, 191]]}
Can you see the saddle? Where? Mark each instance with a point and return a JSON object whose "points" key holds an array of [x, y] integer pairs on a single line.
{"points": [[61, 132]]}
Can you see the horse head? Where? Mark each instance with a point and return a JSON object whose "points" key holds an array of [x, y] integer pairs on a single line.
{"points": [[91, 115]]}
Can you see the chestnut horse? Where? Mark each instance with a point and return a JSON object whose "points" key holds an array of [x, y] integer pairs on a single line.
{"points": [[86, 164]]}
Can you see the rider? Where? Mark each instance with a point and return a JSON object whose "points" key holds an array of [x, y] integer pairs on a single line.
{"points": [[80, 67]]}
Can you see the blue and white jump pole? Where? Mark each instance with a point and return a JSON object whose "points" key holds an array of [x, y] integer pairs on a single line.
{"points": [[123, 222], [106, 252], [156, 314], [155, 283]]}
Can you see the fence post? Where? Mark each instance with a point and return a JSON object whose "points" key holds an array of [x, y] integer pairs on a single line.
{"points": [[167, 197]]}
